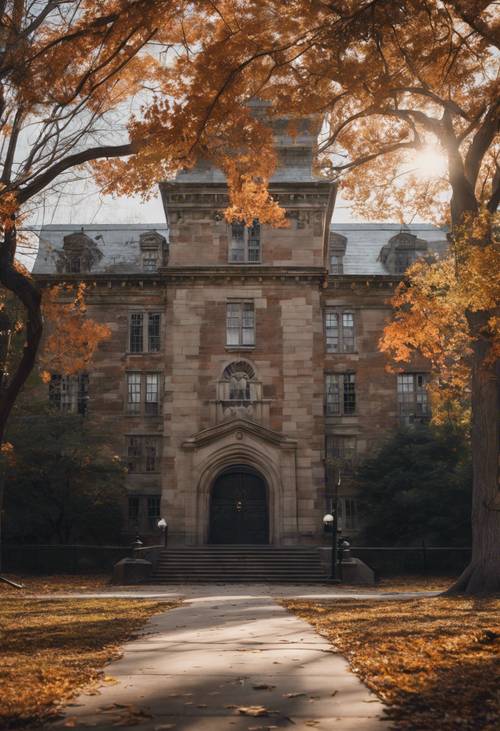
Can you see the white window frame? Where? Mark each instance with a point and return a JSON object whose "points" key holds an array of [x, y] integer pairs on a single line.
{"points": [[148, 342], [245, 245], [141, 389], [340, 338], [240, 324]]}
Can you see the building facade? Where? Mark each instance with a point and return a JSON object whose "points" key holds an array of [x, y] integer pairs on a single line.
{"points": [[242, 375]]}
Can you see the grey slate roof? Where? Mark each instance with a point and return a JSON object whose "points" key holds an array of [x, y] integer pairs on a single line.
{"points": [[119, 244], [365, 240]]}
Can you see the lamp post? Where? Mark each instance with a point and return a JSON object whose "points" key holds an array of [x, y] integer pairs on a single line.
{"points": [[163, 526], [331, 519]]}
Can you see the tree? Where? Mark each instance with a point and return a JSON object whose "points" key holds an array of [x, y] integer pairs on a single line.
{"points": [[66, 70], [389, 80], [418, 488], [65, 468]]}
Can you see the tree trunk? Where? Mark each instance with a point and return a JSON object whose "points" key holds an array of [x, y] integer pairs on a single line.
{"points": [[482, 576], [23, 287]]}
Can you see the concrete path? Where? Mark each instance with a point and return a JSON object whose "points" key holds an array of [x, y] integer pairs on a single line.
{"points": [[236, 662], [240, 591]]}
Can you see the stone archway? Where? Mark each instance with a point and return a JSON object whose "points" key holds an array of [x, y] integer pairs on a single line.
{"points": [[239, 511]]}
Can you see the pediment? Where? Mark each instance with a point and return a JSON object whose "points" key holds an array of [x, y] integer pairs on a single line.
{"points": [[238, 428]]}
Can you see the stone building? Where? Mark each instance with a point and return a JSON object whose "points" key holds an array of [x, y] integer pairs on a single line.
{"points": [[243, 374]]}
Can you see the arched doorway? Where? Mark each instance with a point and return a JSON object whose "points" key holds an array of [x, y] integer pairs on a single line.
{"points": [[239, 507]]}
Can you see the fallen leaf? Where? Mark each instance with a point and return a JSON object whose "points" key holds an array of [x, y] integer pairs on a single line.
{"points": [[253, 711]]}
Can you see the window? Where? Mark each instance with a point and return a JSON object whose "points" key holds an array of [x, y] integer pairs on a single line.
{"points": [[74, 265], [144, 513], [133, 511], [244, 247], [143, 394], [341, 447], [336, 249], [153, 506], [347, 513], [336, 262], [143, 454], [144, 339], [339, 331], [69, 394], [413, 401], [150, 262], [340, 394], [240, 323]]}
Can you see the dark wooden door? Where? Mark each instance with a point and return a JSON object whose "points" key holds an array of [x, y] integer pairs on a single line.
{"points": [[238, 508]]}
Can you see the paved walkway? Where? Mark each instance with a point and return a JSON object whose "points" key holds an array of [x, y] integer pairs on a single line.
{"points": [[295, 591], [233, 662]]}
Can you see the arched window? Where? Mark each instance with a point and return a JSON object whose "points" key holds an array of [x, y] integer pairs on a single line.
{"points": [[238, 376]]}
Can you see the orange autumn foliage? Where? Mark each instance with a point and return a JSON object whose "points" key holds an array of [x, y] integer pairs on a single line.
{"points": [[71, 336], [430, 314]]}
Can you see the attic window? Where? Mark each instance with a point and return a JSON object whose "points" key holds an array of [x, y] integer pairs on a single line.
{"points": [[80, 254], [153, 247], [336, 250], [401, 251]]}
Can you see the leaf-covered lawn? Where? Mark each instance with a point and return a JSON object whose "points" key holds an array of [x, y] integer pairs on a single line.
{"points": [[434, 661], [55, 583], [50, 649]]}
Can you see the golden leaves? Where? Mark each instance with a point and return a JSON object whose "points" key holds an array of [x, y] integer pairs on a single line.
{"points": [[431, 660], [50, 650], [431, 309], [71, 337]]}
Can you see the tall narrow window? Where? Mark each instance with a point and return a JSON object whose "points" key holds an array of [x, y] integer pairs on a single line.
{"points": [[69, 394], [336, 249], [152, 394], [154, 502], [136, 332], [413, 399], [134, 393], [145, 332], [244, 247], [237, 245], [240, 323], [348, 513], [133, 511], [154, 332], [340, 389], [339, 331]]}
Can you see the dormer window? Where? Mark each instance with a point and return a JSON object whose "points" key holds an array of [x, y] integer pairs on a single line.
{"points": [[401, 251], [79, 255], [336, 250], [244, 246], [150, 262], [153, 251]]}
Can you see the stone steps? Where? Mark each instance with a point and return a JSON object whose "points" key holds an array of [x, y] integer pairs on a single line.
{"points": [[240, 563]]}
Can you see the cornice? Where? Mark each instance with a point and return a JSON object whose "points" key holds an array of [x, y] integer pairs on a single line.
{"points": [[221, 274]]}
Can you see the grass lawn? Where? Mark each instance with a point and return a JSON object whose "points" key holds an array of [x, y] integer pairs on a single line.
{"points": [[434, 661], [50, 649]]}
